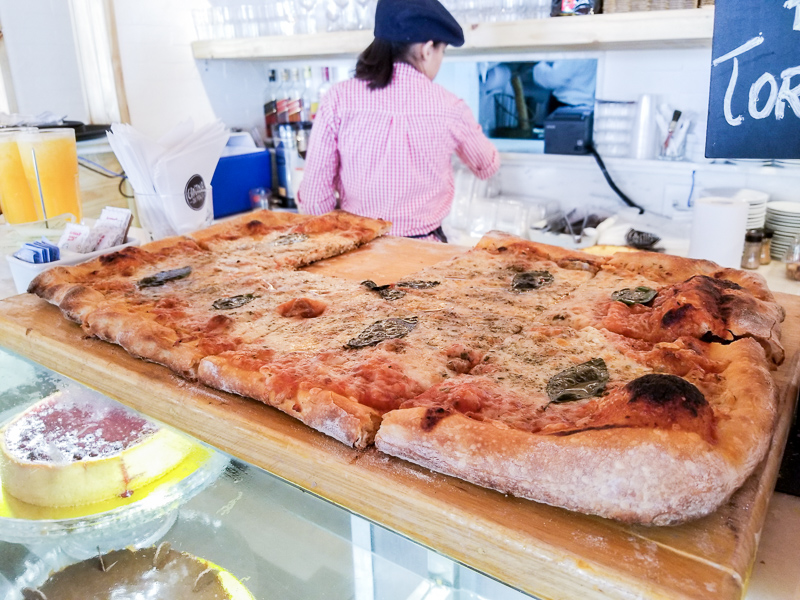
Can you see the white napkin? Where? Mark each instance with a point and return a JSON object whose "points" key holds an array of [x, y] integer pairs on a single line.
{"points": [[171, 176]]}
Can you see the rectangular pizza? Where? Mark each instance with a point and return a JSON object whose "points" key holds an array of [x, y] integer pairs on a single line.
{"points": [[636, 387]]}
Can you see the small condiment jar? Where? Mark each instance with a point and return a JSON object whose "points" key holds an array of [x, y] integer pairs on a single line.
{"points": [[751, 258], [766, 247], [792, 259]]}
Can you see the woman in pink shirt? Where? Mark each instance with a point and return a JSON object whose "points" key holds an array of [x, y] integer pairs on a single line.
{"points": [[382, 143]]}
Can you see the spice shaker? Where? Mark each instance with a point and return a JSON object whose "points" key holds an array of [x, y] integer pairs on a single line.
{"points": [[792, 259], [751, 259], [766, 247]]}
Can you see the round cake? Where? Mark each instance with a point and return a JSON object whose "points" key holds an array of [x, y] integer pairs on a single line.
{"points": [[76, 448], [147, 573]]}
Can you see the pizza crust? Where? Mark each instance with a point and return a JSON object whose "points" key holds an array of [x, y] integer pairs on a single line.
{"points": [[645, 476], [333, 414], [144, 338]]}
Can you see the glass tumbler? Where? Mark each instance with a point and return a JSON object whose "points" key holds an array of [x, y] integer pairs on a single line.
{"points": [[50, 160], [16, 198]]}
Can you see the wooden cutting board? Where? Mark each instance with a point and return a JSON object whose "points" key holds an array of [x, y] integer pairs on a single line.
{"points": [[545, 551]]}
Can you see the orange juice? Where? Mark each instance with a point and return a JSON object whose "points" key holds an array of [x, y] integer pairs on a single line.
{"points": [[15, 194], [56, 160]]}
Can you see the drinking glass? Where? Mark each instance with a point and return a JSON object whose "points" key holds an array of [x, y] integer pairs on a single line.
{"points": [[471, 11], [463, 182], [307, 22], [280, 17], [272, 17], [347, 10], [489, 11], [366, 14], [333, 16], [247, 21], [202, 24], [15, 193], [50, 160], [510, 216], [221, 22]]}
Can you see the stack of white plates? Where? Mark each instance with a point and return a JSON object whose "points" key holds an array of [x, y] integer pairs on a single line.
{"points": [[784, 219], [758, 207], [788, 163]]}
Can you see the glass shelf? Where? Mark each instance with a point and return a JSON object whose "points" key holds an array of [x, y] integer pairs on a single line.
{"points": [[279, 540]]}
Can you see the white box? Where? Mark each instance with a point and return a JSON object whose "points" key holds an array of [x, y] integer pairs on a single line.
{"points": [[24, 272]]}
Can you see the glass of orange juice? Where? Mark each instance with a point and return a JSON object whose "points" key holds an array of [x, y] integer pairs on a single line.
{"points": [[15, 194], [50, 160]]}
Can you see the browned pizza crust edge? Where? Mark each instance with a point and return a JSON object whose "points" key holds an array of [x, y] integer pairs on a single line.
{"points": [[330, 413], [645, 476]]}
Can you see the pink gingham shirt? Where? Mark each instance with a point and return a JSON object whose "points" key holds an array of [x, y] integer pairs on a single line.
{"points": [[387, 152]]}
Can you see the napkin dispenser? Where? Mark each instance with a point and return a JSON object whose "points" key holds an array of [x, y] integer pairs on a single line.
{"points": [[568, 130], [235, 176]]}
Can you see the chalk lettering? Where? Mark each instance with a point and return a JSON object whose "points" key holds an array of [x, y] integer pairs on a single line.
{"points": [[755, 90], [748, 45], [778, 96], [726, 107], [787, 93], [794, 4]]}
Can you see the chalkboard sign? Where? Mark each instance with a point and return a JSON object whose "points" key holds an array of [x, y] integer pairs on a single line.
{"points": [[754, 103]]}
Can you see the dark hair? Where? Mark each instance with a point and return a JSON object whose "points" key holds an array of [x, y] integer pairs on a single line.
{"points": [[376, 63]]}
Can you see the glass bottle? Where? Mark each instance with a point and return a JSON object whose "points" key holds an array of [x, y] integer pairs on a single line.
{"points": [[283, 97], [323, 87], [307, 96], [295, 98], [766, 247], [792, 259], [751, 258], [271, 105]]}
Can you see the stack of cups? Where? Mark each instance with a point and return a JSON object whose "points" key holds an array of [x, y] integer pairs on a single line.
{"points": [[614, 125]]}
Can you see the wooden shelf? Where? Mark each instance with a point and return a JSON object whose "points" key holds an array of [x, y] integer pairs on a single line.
{"points": [[692, 28]]}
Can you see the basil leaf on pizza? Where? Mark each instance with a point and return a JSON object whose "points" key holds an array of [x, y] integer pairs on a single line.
{"points": [[379, 331], [531, 280], [163, 277], [638, 295], [579, 382], [232, 302]]}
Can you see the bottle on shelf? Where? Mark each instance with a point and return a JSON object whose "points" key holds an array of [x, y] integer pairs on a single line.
{"points": [[271, 106], [282, 101], [563, 8], [295, 101], [320, 91], [307, 96]]}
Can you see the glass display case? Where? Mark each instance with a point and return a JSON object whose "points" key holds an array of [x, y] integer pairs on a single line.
{"points": [[278, 539]]}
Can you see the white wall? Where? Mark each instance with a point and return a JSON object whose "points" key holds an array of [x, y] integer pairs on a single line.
{"points": [[42, 57]]}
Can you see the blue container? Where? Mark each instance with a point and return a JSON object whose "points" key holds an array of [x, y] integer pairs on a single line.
{"points": [[233, 179]]}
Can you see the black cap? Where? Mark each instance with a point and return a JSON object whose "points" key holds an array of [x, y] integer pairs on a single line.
{"points": [[413, 21], [754, 235]]}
